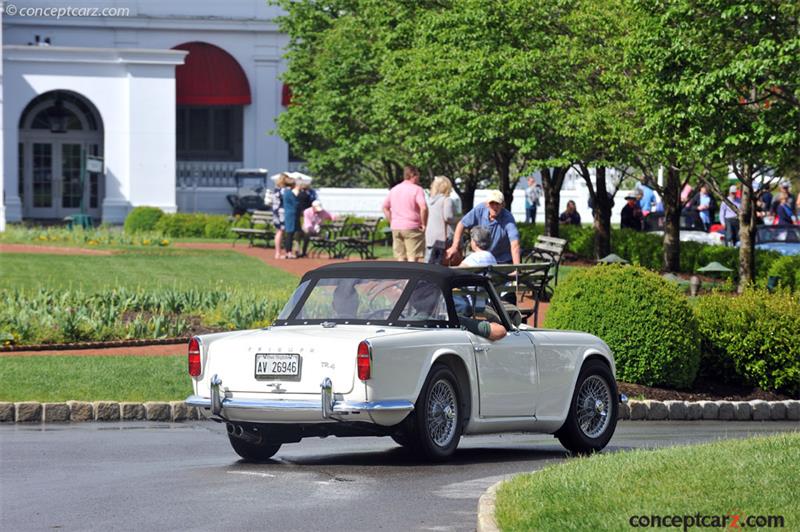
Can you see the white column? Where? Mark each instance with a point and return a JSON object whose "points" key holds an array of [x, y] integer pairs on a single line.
{"points": [[116, 154], [270, 150], [152, 136]]}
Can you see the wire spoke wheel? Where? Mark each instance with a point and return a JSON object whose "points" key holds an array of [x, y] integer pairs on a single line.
{"points": [[594, 406], [442, 413]]}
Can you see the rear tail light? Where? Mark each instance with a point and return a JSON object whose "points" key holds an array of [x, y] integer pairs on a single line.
{"points": [[364, 360], [194, 356]]}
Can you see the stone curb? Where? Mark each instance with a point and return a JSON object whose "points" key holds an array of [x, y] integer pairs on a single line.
{"points": [[486, 506], [77, 411], [74, 411]]}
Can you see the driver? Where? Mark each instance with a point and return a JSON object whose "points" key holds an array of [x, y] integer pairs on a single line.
{"points": [[345, 299], [491, 330], [483, 328]]}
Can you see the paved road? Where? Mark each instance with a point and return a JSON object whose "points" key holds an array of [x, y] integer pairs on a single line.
{"points": [[147, 476]]}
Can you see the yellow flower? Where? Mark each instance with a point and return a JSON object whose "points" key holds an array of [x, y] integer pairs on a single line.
{"points": [[146, 242], [92, 242], [42, 237], [165, 242]]}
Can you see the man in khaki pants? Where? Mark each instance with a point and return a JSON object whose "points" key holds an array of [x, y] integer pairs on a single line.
{"points": [[407, 213]]}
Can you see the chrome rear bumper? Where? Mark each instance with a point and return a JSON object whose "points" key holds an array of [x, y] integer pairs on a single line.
{"points": [[299, 410]]}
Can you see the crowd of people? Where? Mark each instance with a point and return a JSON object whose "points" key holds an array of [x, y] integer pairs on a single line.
{"points": [[296, 212], [700, 210], [429, 230]]}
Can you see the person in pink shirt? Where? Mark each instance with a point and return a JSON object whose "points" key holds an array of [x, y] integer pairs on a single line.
{"points": [[406, 211], [313, 218]]}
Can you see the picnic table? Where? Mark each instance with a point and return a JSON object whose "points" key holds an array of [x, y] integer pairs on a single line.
{"points": [[526, 281]]}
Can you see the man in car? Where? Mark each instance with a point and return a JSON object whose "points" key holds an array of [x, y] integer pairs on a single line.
{"points": [[426, 300], [484, 328]]}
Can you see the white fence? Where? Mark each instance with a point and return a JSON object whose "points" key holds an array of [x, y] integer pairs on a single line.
{"points": [[367, 201]]}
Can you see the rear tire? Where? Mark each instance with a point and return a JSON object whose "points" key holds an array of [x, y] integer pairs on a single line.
{"points": [[437, 415], [593, 411], [253, 452]]}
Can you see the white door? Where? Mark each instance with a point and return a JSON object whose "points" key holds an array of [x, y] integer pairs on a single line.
{"points": [[507, 377], [52, 179]]}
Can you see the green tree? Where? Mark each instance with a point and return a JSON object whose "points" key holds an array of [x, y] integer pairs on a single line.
{"points": [[333, 68], [724, 73]]}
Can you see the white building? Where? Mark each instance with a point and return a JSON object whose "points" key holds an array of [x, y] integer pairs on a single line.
{"points": [[172, 95]]}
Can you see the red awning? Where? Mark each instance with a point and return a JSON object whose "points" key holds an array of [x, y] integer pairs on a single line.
{"points": [[210, 76]]}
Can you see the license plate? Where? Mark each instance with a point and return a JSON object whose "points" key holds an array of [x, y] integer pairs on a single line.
{"points": [[277, 365]]}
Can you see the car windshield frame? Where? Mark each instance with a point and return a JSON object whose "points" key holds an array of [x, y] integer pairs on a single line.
{"points": [[392, 320], [773, 230]]}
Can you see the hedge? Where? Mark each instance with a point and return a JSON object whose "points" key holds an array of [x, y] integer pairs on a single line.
{"points": [[752, 339], [142, 219], [643, 318], [646, 249]]}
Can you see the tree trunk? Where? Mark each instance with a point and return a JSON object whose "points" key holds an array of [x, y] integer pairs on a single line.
{"points": [[467, 196], [671, 198], [601, 215], [503, 164], [551, 183], [747, 226]]}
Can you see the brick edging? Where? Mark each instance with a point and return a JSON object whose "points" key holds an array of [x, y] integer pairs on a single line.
{"points": [[35, 412], [711, 410], [76, 411]]}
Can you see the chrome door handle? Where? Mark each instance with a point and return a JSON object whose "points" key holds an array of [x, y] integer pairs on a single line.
{"points": [[481, 348]]}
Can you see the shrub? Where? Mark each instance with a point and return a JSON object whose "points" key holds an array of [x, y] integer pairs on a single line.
{"points": [[217, 227], [182, 225], [753, 338], [142, 219], [644, 319], [788, 269], [644, 249]]}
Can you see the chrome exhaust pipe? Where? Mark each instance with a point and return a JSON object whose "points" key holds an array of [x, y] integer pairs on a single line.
{"points": [[237, 431]]}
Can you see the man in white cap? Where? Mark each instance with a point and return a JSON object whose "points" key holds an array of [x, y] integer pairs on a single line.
{"points": [[501, 225], [313, 218]]}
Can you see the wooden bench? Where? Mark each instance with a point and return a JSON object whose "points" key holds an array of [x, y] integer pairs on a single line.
{"points": [[360, 238], [328, 238], [258, 218], [547, 248], [526, 281]]}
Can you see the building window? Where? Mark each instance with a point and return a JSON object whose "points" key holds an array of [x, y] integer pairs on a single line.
{"points": [[206, 133]]}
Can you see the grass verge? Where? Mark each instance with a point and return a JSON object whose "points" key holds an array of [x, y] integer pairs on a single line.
{"points": [[95, 378], [750, 477], [151, 268]]}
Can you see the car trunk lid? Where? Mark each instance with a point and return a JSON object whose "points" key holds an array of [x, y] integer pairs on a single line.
{"points": [[319, 352]]}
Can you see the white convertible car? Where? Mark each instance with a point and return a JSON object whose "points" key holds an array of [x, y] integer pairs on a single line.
{"points": [[387, 349]]}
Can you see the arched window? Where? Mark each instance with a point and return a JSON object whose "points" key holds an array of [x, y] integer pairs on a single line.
{"points": [[211, 90]]}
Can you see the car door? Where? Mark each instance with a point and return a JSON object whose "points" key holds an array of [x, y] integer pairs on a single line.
{"points": [[507, 378]]}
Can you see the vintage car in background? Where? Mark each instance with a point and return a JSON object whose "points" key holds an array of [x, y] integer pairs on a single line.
{"points": [[784, 239], [379, 349]]}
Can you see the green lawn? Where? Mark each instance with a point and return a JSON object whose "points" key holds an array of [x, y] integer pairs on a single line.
{"points": [[146, 268], [752, 477], [95, 378]]}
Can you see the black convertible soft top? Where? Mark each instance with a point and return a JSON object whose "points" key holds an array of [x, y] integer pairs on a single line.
{"points": [[440, 275]]}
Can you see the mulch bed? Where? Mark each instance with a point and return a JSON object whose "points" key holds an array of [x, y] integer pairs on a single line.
{"points": [[93, 345], [703, 390]]}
